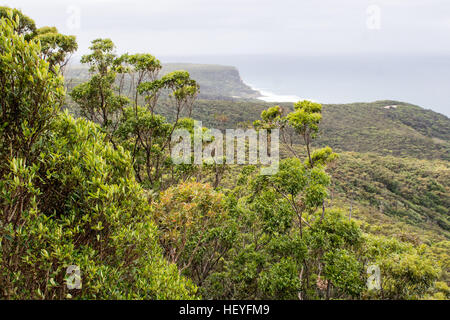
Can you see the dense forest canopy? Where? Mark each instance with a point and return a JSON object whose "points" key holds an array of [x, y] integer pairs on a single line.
{"points": [[87, 179]]}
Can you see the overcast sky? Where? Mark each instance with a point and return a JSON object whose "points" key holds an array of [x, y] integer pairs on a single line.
{"points": [[209, 27]]}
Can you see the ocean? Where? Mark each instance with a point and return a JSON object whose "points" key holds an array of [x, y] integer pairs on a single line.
{"points": [[420, 80]]}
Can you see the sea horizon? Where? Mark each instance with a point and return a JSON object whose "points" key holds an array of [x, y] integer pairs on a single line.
{"points": [[420, 80]]}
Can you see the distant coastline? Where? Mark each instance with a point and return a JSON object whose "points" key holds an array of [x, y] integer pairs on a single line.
{"points": [[421, 80], [269, 96]]}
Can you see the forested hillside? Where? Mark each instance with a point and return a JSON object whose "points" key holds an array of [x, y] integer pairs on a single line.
{"points": [[409, 190], [89, 181], [216, 81], [406, 130], [400, 130]]}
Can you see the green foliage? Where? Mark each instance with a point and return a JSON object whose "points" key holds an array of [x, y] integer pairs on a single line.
{"points": [[110, 199], [56, 47], [306, 117], [31, 95], [151, 131], [322, 157], [97, 98], [102, 58], [344, 270], [304, 188], [148, 137], [69, 198], [195, 231], [411, 190], [269, 253], [406, 272], [85, 209], [145, 134], [26, 26], [270, 118], [285, 249], [280, 281], [300, 124], [333, 245], [407, 131], [266, 256], [145, 63], [181, 88]]}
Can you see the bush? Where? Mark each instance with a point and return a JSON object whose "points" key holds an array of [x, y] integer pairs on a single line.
{"points": [[68, 198], [195, 229]]}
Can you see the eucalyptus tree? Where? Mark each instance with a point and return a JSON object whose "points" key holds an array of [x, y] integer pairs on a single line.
{"points": [[97, 98], [147, 134], [56, 48], [122, 96], [305, 121], [283, 206]]}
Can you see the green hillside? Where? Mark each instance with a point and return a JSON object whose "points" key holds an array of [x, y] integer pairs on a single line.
{"points": [[393, 161], [407, 130], [394, 155], [216, 81], [225, 101], [413, 191], [94, 196]]}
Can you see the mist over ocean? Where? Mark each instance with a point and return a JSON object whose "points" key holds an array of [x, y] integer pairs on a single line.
{"points": [[420, 80]]}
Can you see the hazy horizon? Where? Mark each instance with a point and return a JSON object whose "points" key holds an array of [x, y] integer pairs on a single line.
{"points": [[227, 32], [177, 27], [418, 80]]}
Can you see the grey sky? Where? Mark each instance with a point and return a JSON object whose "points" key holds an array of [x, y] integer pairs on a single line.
{"points": [[191, 27]]}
